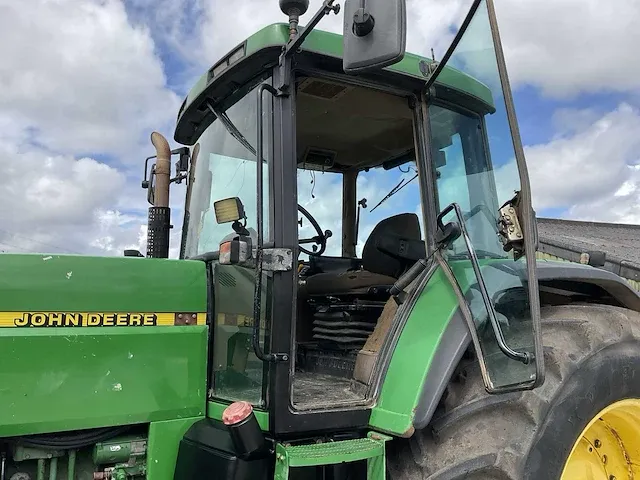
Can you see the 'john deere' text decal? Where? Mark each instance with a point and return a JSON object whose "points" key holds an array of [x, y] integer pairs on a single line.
{"points": [[98, 319]]}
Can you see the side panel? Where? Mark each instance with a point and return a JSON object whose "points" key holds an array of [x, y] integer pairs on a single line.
{"points": [[57, 379], [53, 283], [164, 440], [413, 357]]}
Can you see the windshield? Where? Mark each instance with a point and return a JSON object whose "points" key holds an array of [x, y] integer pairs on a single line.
{"points": [[225, 167]]}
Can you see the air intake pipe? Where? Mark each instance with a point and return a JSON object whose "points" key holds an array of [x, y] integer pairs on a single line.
{"points": [[159, 222]]}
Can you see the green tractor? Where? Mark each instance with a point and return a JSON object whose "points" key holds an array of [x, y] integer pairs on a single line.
{"points": [[314, 327]]}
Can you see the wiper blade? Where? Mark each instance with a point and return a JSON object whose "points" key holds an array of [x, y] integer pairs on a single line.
{"points": [[395, 190], [231, 128]]}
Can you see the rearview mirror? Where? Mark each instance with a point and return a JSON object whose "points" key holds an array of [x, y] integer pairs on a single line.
{"points": [[375, 34], [150, 186]]}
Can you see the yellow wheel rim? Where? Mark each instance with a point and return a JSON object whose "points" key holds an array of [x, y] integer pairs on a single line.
{"points": [[609, 447]]}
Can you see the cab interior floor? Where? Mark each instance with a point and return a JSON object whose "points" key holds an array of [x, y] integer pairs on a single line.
{"points": [[312, 390]]}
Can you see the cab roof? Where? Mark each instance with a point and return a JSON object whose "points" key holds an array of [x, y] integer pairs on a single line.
{"points": [[251, 59]]}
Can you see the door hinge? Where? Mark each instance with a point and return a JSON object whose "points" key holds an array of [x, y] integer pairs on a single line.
{"points": [[509, 230], [277, 259]]}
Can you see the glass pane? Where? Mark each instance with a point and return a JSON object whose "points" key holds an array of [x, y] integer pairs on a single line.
{"points": [[480, 180], [226, 168], [375, 185], [320, 193]]}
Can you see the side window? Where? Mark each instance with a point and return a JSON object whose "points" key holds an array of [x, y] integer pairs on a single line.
{"points": [[226, 167], [465, 176], [451, 173], [501, 293], [387, 193], [320, 193]]}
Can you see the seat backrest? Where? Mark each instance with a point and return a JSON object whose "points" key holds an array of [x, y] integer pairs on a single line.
{"points": [[405, 225]]}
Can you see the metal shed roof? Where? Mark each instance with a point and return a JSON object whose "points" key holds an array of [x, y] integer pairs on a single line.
{"points": [[569, 239]]}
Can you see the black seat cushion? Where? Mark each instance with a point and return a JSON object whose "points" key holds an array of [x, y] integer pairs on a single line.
{"points": [[404, 225], [359, 281]]}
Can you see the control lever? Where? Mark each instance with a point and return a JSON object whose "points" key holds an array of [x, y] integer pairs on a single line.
{"points": [[397, 291]]}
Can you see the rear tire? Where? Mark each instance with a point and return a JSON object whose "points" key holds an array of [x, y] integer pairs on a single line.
{"points": [[592, 357]]}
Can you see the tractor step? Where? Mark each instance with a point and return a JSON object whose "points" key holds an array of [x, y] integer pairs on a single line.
{"points": [[371, 448]]}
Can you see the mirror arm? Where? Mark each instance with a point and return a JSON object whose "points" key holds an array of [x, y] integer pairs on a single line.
{"points": [[326, 8], [294, 45]]}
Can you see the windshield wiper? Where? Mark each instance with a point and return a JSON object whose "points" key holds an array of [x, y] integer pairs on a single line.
{"points": [[395, 190], [231, 128]]}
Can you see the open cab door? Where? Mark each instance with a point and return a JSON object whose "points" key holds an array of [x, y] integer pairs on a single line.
{"points": [[486, 228]]}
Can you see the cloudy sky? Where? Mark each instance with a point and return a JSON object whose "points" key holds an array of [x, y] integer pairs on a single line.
{"points": [[84, 82]]}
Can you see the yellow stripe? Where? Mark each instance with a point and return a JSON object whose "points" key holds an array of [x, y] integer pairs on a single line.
{"points": [[97, 319]]}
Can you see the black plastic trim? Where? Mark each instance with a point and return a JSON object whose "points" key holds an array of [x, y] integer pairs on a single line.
{"points": [[210, 322], [614, 285], [224, 91], [455, 341]]}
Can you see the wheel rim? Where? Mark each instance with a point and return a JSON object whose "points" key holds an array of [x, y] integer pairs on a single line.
{"points": [[609, 447]]}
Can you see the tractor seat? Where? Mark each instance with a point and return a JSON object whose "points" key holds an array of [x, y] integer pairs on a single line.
{"points": [[380, 270]]}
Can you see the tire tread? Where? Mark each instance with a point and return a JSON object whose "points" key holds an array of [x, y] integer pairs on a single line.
{"points": [[477, 435]]}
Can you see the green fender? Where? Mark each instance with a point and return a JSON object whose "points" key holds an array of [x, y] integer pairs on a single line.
{"points": [[432, 321], [432, 335]]}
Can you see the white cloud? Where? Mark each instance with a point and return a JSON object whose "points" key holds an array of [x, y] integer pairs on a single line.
{"points": [[591, 172], [56, 203], [78, 83], [566, 47], [79, 77]]}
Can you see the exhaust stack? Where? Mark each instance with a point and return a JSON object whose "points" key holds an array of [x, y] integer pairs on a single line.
{"points": [[159, 222]]}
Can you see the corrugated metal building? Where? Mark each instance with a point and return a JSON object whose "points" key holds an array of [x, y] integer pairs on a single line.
{"points": [[611, 246]]}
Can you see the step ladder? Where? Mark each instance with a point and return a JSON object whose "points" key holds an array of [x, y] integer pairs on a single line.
{"points": [[371, 448]]}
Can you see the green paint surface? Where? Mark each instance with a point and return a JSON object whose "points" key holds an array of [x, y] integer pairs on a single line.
{"points": [[93, 284], [331, 44], [412, 357], [162, 449], [215, 409], [371, 448], [58, 379]]}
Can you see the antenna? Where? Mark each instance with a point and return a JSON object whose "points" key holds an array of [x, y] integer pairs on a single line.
{"points": [[294, 9]]}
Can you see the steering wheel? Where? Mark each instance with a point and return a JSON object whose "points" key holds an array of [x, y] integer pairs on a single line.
{"points": [[320, 239]]}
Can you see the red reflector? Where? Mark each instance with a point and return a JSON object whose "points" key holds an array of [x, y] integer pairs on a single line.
{"points": [[236, 412]]}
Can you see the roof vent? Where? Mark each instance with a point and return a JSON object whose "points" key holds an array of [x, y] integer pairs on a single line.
{"points": [[323, 89]]}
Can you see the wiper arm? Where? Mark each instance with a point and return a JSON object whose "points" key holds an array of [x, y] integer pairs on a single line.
{"points": [[395, 190], [231, 128]]}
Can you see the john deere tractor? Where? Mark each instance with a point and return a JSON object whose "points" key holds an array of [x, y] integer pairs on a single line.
{"points": [[357, 294]]}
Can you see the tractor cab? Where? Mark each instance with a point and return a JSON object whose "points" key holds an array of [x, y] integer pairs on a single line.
{"points": [[330, 179]]}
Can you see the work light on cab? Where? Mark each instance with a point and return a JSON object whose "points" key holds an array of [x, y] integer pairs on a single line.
{"points": [[238, 249], [229, 210]]}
